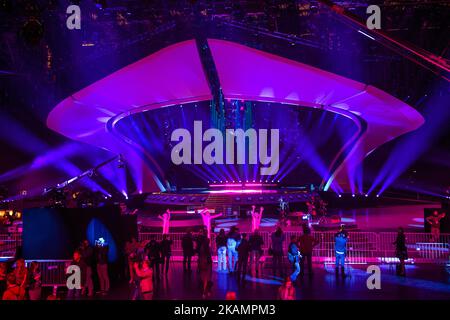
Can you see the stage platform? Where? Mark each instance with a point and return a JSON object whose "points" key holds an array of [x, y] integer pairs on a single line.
{"points": [[386, 218]]}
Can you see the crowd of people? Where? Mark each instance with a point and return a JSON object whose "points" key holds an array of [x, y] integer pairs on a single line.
{"points": [[21, 282], [148, 261]]}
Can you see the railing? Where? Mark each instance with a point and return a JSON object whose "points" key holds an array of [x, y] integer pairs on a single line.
{"points": [[362, 247], [53, 272], [8, 243]]}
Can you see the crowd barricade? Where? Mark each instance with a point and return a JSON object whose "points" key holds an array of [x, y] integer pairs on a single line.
{"points": [[9, 243], [53, 272], [362, 247]]}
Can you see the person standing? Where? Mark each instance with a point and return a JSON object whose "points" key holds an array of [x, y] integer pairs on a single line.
{"points": [[102, 250], [255, 243], [3, 274], [340, 248], [166, 221], [205, 266], [221, 245], [435, 222], [34, 276], [287, 290], [153, 250], [145, 274], [307, 243], [401, 252], [87, 254], [75, 293], [13, 291], [256, 218], [187, 244], [166, 252], [233, 238], [294, 257], [131, 248], [277, 238], [21, 273], [243, 251], [207, 217]]}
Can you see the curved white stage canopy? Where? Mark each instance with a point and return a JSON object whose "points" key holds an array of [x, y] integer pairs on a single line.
{"points": [[175, 75]]}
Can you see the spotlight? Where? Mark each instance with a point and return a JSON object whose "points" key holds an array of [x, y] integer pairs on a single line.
{"points": [[377, 195], [353, 195], [366, 195], [340, 195], [120, 162]]}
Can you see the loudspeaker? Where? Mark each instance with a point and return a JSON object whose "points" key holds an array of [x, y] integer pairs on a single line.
{"points": [[445, 222]]}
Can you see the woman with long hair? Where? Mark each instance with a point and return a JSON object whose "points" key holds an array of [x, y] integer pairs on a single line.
{"points": [[34, 279]]}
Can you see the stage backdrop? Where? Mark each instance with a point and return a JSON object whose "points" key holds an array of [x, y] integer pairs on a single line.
{"points": [[54, 233]]}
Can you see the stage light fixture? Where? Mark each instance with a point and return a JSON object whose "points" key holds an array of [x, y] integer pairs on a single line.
{"points": [[120, 162], [353, 195], [340, 195], [366, 195], [377, 195]]}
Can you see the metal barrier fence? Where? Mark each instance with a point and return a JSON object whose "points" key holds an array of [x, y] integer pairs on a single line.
{"points": [[362, 247], [9, 242], [53, 272]]}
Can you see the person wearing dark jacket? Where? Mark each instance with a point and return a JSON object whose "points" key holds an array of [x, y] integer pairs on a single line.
{"points": [[75, 293], [243, 251], [255, 243], [307, 243], [401, 252], [277, 252], [205, 265], [187, 243], [221, 245], [166, 252], [87, 254], [153, 250], [102, 250]]}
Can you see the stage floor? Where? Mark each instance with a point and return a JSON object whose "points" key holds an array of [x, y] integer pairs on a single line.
{"points": [[423, 282]]}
